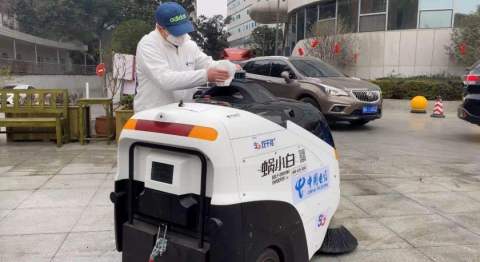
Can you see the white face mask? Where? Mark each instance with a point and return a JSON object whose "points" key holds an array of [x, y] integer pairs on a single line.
{"points": [[177, 40]]}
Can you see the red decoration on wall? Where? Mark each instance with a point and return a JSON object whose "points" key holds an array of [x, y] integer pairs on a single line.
{"points": [[301, 51], [337, 48], [315, 43], [462, 48], [355, 57], [101, 70]]}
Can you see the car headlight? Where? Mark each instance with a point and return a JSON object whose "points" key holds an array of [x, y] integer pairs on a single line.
{"points": [[333, 91]]}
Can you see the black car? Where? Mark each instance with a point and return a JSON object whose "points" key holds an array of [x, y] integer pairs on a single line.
{"points": [[250, 96], [469, 110]]}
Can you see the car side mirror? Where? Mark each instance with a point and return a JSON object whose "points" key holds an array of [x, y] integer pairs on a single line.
{"points": [[286, 75]]}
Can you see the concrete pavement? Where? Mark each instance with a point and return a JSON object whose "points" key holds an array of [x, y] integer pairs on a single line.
{"points": [[410, 192]]}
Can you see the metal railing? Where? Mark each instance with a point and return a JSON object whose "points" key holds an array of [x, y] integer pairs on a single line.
{"points": [[19, 67]]}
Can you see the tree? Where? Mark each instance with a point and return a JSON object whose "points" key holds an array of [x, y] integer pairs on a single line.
{"points": [[211, 35], [339, 50], [127, 35], [263, 40], [66, 20], [465, 47], [145, 9]]}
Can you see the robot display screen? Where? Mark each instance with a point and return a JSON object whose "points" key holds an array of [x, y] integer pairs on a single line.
{"points": [[162, 172]]}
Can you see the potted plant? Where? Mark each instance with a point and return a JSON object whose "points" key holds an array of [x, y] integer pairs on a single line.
{"points": [[123, 113]]}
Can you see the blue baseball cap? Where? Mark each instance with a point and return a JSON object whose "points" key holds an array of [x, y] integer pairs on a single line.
{"points": [[174, 18]]}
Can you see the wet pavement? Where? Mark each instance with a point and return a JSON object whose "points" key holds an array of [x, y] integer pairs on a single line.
{"points": [[410, 192]]}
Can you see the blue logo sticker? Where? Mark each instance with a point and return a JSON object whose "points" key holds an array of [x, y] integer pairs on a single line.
{"points": [[309, 184], [264, 144]]}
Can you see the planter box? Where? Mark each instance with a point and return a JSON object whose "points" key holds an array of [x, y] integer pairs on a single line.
{"points": [[121, 117]]}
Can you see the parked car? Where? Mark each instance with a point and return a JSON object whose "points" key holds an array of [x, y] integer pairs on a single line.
{"points": [[308, 79], [469, 110], [247, 95], [16, 87]]}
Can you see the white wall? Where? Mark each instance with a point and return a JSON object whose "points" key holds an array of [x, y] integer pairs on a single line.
{"points": [[74, 83], [402, 53]]}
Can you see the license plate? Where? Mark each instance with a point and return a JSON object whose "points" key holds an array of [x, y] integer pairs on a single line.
{"points": [[370, 109]]}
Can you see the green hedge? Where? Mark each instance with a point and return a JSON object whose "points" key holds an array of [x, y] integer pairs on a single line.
{"points": [[449, 88]]}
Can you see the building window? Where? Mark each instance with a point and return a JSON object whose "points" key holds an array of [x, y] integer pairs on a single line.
{"points": [[347, 20], [435, 13], [436, 4], [402, 14], [312, 18], [293, 23], [327, 9], [463, 8], [373, 15], [327, 15], [301, 24], [373, 6]]}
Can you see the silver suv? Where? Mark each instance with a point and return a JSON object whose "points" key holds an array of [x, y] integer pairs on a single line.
{"points": [[308, 79]]}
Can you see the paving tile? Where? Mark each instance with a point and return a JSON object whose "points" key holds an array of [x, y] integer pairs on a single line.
{"points": [[89, 246], [453, 253], [413, 185], [471, 221], [109, 182], [38, 247], [390, 255], [325, 258], [430, 230], [447, 202], [11, 199], [388, 205], [102, 197], [460, 183], [349, 210], [363, 188], [95, 218], [4, 213], [372, 235], [20, 173], [75, 181], [39, 220], [85, 168], [59, 198], [22, 183], [345, 176], [4, 169], [474, 194]]}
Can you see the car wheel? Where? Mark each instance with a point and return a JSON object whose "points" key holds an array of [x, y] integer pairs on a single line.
{"points": [[359, 122], [268, 255], [310, 101]]}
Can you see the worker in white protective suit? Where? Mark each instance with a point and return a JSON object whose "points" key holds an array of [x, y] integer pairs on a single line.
{"points": [[168, 61]]}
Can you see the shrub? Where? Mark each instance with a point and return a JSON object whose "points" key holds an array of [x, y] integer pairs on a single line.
{"points": [[449, 88]]}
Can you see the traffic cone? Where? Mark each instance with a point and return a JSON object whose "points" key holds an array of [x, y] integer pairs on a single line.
{"points": [[438, 109]]}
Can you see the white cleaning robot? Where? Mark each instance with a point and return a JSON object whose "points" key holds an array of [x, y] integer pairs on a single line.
{"points": [[214, 183]]}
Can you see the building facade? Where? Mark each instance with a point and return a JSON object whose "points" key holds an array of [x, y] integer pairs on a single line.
{"points": [[394, 37], [26, 54], [241, 25]]}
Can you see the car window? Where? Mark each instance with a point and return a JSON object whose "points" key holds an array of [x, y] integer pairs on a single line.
{"points": [[277, 67], [315, 68], [261, 67], [247, 66], [476, 69]]}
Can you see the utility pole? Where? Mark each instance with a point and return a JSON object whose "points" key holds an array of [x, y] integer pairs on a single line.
{"points": [[277, 28]]}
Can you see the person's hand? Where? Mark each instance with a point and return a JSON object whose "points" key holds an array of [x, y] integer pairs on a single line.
{"points": [[217, 75]]}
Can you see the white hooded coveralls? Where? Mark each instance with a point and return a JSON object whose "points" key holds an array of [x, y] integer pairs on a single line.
{"points": [[163, 68]]}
